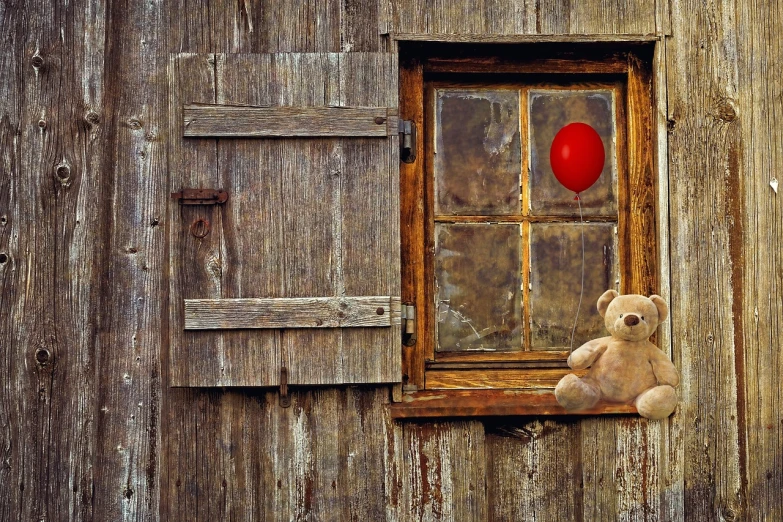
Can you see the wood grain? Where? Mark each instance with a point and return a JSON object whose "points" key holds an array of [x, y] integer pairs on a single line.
{"points": [[295, 312], [96, 433], [51, 166], [482, 403], [133, 264], [504, 17], [261, 122], [520, 482], [706, 183], [758, 235], [527, 378]]}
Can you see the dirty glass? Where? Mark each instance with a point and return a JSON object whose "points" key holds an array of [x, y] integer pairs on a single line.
{"points": [[477, 152], [555, 281], [478, 287], [551, 110]]}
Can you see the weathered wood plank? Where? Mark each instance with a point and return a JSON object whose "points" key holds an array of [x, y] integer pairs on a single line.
{"points": [[134, 282], [17, 401], [523, 38], [760, 207], [247, 168], [199, 26], [443, 468], [252, 460], [487, 379], [195, 358], [478, 403], [259, 122], [533, 470], [295, 312], [51, 165], [370, 210], [706, 180], [360, 27], [520, 17]]}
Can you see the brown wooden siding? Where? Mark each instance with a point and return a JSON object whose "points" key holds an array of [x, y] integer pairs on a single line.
{"points": [[89, 428]]}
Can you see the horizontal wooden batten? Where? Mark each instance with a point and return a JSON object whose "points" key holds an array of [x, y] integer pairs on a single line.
{"points": [[279, 122], [478, 403], [524, 38], [299, 312]]}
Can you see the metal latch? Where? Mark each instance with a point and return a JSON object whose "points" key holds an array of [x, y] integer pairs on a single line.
{"points": [[407, 129], [285, 399], [200, 196], [408, 324]]}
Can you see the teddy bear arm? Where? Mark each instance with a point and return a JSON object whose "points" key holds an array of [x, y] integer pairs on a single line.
{"points": [[664, 369], [586, 355]]}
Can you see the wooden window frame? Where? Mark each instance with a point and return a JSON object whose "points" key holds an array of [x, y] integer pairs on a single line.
{"points": [[534, 372]]}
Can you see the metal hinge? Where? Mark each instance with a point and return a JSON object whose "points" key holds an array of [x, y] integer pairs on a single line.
{"points": [[285, 399], [408, 324], [407, 129], [200, 196]]}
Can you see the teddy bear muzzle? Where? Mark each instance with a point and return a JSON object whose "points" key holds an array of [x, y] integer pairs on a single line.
{"points": [[631, 320]]}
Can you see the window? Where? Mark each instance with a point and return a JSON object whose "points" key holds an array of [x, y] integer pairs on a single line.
{"points": [[491, 242]]}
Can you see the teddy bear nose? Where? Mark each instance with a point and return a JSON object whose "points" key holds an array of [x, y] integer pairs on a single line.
{"points": [[631, 320]]}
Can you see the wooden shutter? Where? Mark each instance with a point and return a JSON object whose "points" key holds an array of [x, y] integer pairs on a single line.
{"points": [[300, 266]]}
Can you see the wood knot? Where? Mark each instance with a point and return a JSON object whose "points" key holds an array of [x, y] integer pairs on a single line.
{"points": [[63, 174], [37, 60], [727, 110], [42, 356], [3, 258], [42, 124], [92, 117]]}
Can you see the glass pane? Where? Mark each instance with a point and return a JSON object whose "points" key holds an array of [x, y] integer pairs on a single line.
{"points": [[556, 279], [549, 112], [477, 152], [478, 277]]}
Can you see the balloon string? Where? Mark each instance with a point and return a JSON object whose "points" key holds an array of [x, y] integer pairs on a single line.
{"points": [[582, 291]]}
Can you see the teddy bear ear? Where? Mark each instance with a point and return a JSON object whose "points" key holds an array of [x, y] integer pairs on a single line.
{"points": [[604, 300], [660, 304]]}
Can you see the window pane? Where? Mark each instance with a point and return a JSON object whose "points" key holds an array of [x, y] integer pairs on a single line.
{"points": [[549, 112], [478, 287], [556, 274], [478, 156]]}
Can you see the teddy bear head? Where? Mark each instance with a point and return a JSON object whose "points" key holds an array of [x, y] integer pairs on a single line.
{"points": [[632, 317]]}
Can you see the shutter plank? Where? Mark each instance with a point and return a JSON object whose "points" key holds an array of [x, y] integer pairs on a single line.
{"points": [[304, 312], [195, 262], [250, 253], [370, 210], [261, 122]]}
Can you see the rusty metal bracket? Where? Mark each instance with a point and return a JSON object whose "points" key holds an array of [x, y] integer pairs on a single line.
{"points": [[285, 399], [200, 196]]}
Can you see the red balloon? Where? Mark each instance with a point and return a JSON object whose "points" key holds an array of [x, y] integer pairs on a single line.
{"points": [[577, 156]]}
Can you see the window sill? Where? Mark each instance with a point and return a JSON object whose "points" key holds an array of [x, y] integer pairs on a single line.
{"points": [[481, 403]]}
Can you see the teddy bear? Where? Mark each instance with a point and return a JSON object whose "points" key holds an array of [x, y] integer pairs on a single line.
{"points": [[624, 367]]}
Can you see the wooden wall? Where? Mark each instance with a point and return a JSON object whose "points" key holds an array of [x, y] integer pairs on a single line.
{"points": [[90, 430]]}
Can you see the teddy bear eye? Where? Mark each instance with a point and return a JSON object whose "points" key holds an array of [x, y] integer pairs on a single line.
{"points": [[621, 316], [642, 318]]}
